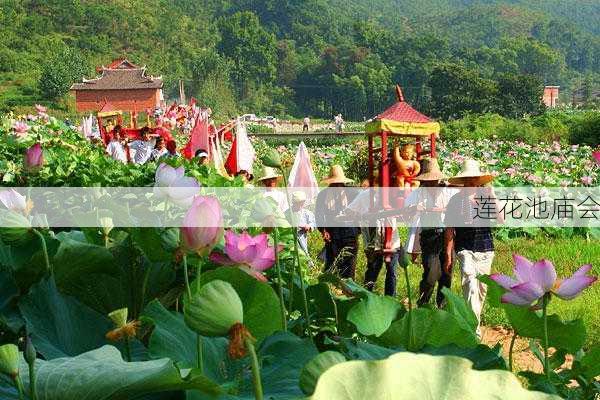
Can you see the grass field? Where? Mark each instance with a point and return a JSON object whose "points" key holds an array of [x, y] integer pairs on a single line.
{"points": [[566, 254]]}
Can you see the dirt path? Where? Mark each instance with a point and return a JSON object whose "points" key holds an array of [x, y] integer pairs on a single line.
{"points": [[523, 358]]}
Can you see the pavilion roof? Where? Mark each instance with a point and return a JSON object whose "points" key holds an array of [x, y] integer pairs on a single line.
{"points": [[401, 111], [402, 119]]}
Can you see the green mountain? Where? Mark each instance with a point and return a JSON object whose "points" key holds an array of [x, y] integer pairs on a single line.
{"points": [[299, 57]]}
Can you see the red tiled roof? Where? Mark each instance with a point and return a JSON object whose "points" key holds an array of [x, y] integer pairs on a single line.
{"points": [[130, 78], [119, 63], [402, 111]]}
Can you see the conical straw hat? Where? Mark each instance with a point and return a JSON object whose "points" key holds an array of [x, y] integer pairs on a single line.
{"points": [[336, 175], [268, 173], [471, 169], [430, 171]]}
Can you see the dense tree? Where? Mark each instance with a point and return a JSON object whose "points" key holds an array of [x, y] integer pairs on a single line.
{"points": [[316, 57], [457, 90], [60, 71], [250, 47]]}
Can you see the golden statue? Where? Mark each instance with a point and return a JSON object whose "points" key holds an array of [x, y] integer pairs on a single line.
{"points": [[407, 166]]}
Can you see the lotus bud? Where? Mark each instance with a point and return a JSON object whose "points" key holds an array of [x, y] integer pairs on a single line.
{"points": [[214, 309], [271, 159], [30, 352], [34, 158], [202, 225], [316, 367], [119, 317], [9, 360], [404, 260]]}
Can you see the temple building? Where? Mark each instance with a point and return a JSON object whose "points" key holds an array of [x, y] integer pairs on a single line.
{"points": [[123, 84]]}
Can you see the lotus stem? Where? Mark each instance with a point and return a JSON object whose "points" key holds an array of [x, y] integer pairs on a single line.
{"points": [[44, 249], [186, 277], [19, 386], [545, 301], [410, 332], [297, 253], [279, 282], [510, 351], [199, 348], [127, 349], [32, 390], [258, 391]]}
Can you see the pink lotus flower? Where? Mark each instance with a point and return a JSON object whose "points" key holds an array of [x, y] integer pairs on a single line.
{"points": [[40, 109], [13, 200], [533, 280], [596, 156], [202, 225], [34, 158], [251, 254], [171, 183], [20, 128], [587, 180]]}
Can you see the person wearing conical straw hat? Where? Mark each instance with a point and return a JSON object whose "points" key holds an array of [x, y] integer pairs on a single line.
{"points": [[429, 204], [472, 243], [269, 179], [341, 242]]}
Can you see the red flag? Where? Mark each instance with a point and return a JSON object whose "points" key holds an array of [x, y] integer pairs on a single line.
{"points": [[231, 164], [198, 139]]}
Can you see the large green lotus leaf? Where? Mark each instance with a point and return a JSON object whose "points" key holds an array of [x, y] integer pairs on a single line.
{"points": [[10, 316], [173, 339], [409, 376], [76, 259], [590, 363], [568, 335], [113, 279], [373, 315], [282, 356], [457, 306], [482, 356], [60, 326], [26, 259], [262, 315], [319, 298], [102, 374], [158, 244], [430, 327]]}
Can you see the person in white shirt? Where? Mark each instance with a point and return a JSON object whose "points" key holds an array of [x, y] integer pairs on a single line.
{"points": [[160, 150], [115, 147], [430, 202], [374, 240], [304, 219], [142, 148], [305, 124], [269, 180], [339, 123]]}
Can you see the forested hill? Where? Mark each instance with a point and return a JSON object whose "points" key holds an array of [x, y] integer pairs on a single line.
{"points": [[314, 57]]}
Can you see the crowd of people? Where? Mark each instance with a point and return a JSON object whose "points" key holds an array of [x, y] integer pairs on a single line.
{"points": [[438, 245]]}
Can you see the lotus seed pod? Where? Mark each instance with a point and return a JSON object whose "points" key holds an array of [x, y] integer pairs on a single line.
{"points": [[9, 360], [119, 317], [214, 309], [316, 367], [30, 352], [271, 159]]}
